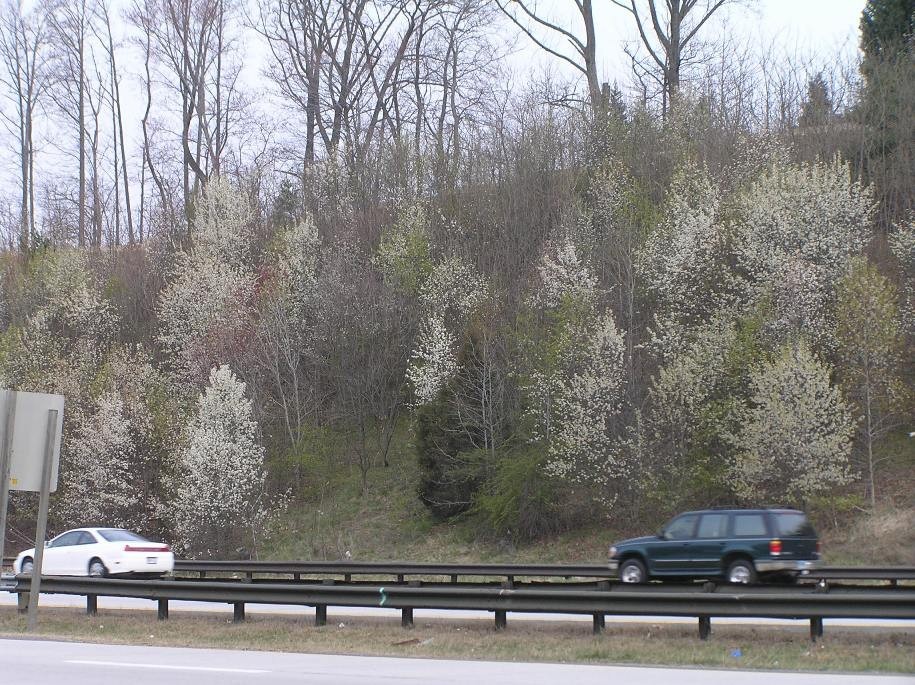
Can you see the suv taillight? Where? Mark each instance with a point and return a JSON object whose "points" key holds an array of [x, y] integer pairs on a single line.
{"points": [[775, 547], [819, 546]]}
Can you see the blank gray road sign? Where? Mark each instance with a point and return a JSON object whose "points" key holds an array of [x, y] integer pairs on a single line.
{"points": [[29, 433]]}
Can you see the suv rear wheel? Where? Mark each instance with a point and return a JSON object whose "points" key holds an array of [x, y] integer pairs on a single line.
{"points": [[633, 571], [741, 572]]}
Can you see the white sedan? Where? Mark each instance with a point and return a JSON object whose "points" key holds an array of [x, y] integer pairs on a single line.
{"points": [[99, 552]]}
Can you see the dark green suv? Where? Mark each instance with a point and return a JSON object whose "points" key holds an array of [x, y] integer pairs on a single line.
{"points": [[739, 545]]}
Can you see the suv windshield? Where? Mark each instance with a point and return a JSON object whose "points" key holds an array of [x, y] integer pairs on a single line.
{"points": [[791, 524], [120, 535]]}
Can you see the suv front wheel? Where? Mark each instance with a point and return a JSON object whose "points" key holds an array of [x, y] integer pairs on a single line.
{"points": [[741, 572], [633, 571]]}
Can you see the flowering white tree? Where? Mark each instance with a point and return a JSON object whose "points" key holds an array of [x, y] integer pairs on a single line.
{"points": [[795, 437], [452, 293], [682, 262], [870, 347], [102, 484], [679, 398], [902, 243], [798, 227], [222, 219], [564, 276], [403, 252], [219, 489], [576, 375], [434, 360], [71, 301], [579, 402], [204, 311]]}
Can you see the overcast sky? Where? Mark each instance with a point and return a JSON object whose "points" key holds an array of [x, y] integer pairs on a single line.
{"points": [[815, 30]]}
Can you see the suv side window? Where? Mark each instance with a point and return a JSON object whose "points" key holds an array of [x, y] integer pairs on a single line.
{"points": [[749, 526], [713, 526], [681, 528]]}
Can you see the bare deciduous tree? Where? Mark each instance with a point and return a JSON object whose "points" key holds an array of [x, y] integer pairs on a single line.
{"points": [[24, 77]]}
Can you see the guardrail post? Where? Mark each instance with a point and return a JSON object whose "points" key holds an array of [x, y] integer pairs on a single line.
{"points": [[816, 628], [22, 602], [705, 627], [406, 618], [400, 577], [91, 605], [454, 577], [321, 615], [162, 614], [249, 577], [297, 576], [501, 620], [238, 612], [599, 623]]}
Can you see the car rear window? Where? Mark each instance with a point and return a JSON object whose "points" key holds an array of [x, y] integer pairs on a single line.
{"points": [[749, 526], [793, 525], [120, 535]]}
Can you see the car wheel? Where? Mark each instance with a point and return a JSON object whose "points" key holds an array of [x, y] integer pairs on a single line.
{"points": [[27, 566], [97, 569], [633, 571], [741, 572]]}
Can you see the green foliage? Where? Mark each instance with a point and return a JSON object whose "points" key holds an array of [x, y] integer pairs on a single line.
{"points": [[404, 253], [886, 27], [448, 461], [520, 500]]}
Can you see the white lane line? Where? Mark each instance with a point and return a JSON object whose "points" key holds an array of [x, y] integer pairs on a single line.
{"points": [[165, 667]]}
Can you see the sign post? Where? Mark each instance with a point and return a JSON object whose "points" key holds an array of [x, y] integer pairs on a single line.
{"points": [[8, 400], [42, 529]]}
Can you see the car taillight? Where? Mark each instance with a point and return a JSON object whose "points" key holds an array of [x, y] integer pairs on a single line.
{"points": [[819, 546], [136, 548], [775, 547]]}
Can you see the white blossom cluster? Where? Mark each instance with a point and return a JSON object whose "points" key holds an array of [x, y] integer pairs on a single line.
{"points": [[297, 262], [433, 362], [222, 219], [102, 483], [204, 309], [72, 301], [206, 301], [403, 253], [454, 286], [220, 486], [902, 243], [682, 388], [452, 293], [803, 223], [577, 404], [800, 292], [795, 439], [564, 276], [681, 261]]}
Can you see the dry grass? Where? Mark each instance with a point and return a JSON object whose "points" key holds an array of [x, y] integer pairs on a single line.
{"points": [[766, 647], [885, 537]]}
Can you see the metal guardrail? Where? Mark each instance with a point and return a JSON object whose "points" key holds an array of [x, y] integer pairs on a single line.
{"points": [[813, 604], [401, 570], [396, 569]]}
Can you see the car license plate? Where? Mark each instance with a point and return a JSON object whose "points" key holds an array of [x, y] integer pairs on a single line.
{"points": [[151, 560]]}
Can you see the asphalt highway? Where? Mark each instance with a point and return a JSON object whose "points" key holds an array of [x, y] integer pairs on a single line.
{"points": [[90, 664]]}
